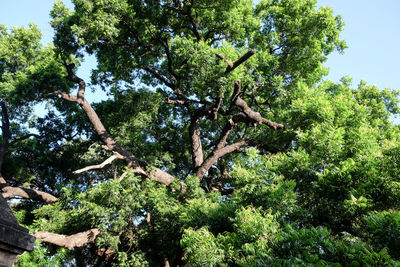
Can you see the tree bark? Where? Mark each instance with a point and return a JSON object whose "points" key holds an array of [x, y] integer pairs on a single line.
{"points": [[216, 154], [98, 166], [9, 191], [6, 134], [197, 149], [253, 115], [71, 241]]}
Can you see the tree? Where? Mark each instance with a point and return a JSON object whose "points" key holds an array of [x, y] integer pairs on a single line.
{"points": [[220, 144]]}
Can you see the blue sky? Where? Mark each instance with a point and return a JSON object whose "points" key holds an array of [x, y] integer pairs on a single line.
{"points": [[372, 33]]}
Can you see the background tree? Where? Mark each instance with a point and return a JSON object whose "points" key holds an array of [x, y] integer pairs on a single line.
{"points": [[218, 145]]}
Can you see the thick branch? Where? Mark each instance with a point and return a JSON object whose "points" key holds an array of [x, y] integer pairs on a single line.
{"points": [[175, 102], [216, 154], [195, 135], [72, 77], [98, 166], [254, 116], [111, 144], [71, 241], [9, 191], [225, 133]]}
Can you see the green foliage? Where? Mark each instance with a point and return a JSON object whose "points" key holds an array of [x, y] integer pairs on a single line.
{"points": [[41, 256], [383, 230], [202, 248]]}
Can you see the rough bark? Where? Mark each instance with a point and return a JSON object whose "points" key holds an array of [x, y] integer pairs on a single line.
{"points": [[6, 134], [72, 241]]}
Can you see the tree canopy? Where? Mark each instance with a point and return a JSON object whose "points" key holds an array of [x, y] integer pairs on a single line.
{"points": [[220, 143]]}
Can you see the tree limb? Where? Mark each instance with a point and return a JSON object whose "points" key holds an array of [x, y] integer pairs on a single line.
{"points": [[253, 115], [9, 191], [73, 78], [234, 65], [111, 145], [221, 56], [221, 149], [175, 102], [71, 241], [216, 154], [196, 146], [158, 76], [98, 166]]}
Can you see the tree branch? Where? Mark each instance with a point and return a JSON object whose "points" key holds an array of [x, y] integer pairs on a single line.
{"points": [[111, 145], [73, 78], [9, 192], [221, 56], [197, 149], [216, 154], [71, 241], [254, 116], [158, 76], [98, 166], [221, 149], [175, 102], [234, 65], [193, 22]]}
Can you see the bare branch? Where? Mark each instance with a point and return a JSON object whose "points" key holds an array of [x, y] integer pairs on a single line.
{"points": [[9, 192], [98, 166], [72, 241], [216, 108]]}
